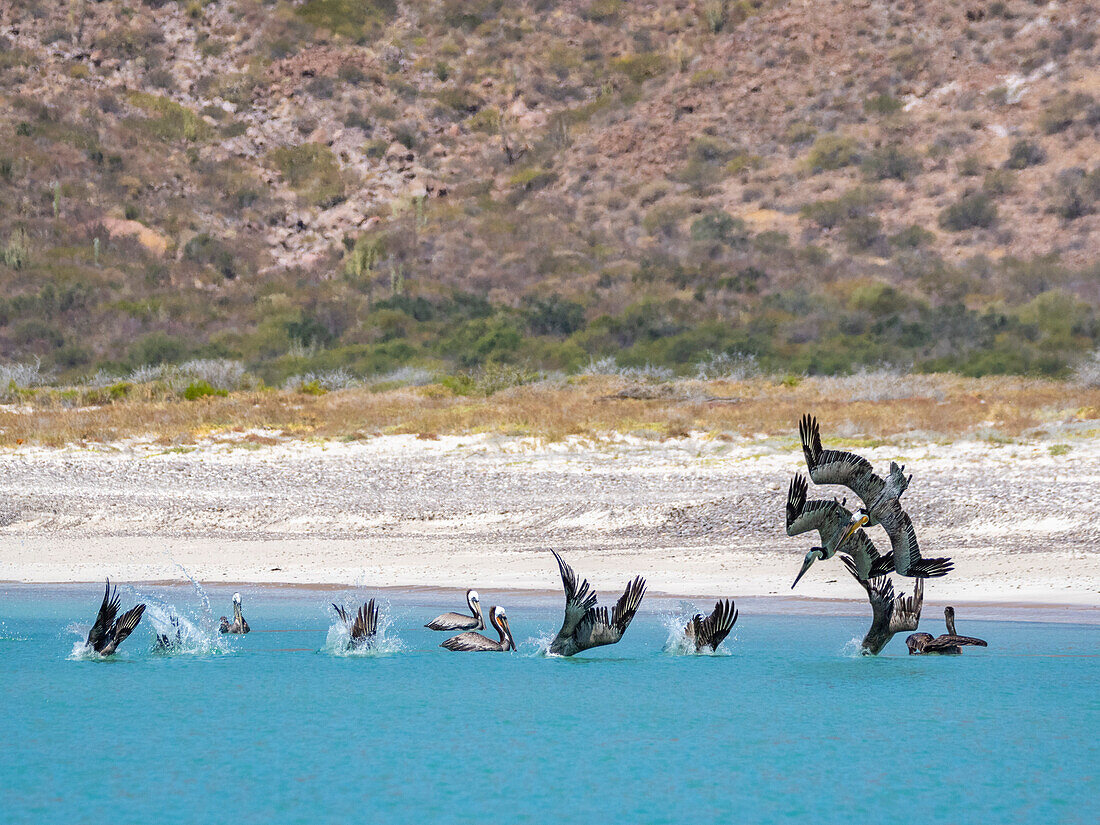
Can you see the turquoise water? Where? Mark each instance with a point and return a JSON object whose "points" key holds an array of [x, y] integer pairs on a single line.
{"points": [[790, 725]]}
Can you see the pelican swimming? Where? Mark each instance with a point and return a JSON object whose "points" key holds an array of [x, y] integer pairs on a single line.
{"points": [[471, 641], [362, 627], [951, 643], [587, 626], [711, 631], [459, 621], [890, 614], [880, 500], [239, 624], [832, 521], [108, 632]]}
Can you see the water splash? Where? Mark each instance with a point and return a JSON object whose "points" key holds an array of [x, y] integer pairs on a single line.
{"points": [[853, 648], [186, 636], [538, 645], [384, 643], [678, 644]]}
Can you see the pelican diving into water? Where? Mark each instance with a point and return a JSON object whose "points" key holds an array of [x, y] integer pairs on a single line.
{"points": [[239, 624], [711, 631], [587, 626], [471, 641], [459, 621], [832, 521], [167, 643], [890, 614], [108, 632], [951, 643], [362, 627], [880, 500]]}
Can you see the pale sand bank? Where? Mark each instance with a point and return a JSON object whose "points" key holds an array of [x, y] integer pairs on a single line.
{"points": [[697, 517]]}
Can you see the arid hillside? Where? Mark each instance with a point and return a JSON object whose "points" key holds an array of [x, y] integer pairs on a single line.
{"points": [[368, 185]]}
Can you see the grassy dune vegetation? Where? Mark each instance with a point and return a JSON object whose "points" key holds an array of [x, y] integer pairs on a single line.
{"points": [[871, 406]]}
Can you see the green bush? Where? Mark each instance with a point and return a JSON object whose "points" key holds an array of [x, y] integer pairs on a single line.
{"points": [[973, 210], [353, 19], [882, 104], [890, 161], [831, 152], [168, 120], [640, 67], [1023, 154], [719, 227], [201, 389], [158, 348], [312, 171], [1060, 113]]}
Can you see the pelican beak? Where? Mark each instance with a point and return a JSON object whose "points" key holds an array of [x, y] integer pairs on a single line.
{"points": [[857, 521], [508, 632], [805, 566]]}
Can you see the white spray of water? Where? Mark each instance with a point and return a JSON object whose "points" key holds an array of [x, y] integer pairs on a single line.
{"points": [[338, 640], [678, 644], [853, 648]]}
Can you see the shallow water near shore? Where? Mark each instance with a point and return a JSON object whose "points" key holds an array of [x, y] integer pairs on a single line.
{"points": [[789, 724]]}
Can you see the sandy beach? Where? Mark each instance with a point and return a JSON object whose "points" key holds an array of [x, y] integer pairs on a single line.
{"points": [[697, 516]]}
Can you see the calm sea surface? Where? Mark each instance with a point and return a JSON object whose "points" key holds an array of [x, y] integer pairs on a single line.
{"points": [[789, 725]]}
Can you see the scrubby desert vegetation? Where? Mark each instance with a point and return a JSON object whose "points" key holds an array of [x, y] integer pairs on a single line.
{"points": [[333, 188]]}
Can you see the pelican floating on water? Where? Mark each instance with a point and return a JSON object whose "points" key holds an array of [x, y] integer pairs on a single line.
{"points": [[587, 626], [711, 631], [951, 643], [832, 521], [459, 621], [880, 500], [362, 627], [239, 624], [471, 641], [891, 614], [108, 632]]}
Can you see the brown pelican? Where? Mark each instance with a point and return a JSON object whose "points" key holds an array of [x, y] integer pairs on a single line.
{"points": [[832, 521], [459, 621], [362, 627], [710, 632], [880, 500], [108, 632], [951, 643], [239, 624], [890, 614], [587, 626], [476, 642]]}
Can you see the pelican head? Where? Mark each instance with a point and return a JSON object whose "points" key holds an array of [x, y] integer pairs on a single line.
{"points": [[499, 620], [474, 601], [237, 599], [814, 554], [860, 518]]}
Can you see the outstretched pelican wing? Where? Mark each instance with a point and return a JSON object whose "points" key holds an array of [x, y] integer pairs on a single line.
{"points": [[827, 516], [579, 598], [342, 613], [105, 619], [717, 626], [836, 466], [906, 551], [867, 563], [595, 629], [366, 622], [126, 624]]}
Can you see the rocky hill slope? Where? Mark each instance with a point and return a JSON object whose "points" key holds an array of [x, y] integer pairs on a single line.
{"points": [[366, 184]]}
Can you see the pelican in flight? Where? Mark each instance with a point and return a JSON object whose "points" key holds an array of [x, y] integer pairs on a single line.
{"points": [[362, 627], [587, 626], [880, 500], [109, 632], [471, 641], [832, 520], [890, 614], [951, 643], [711, 631], [239, 624], [460, 621]]}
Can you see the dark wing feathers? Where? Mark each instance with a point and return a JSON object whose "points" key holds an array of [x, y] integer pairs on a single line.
{"points": [[796, 502], [628, 604], [470, 641], [366, 622], [579, 598], [717, 626], [903, 541], [836, 466], [105, 619], [126, 624], [341, 612]]}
